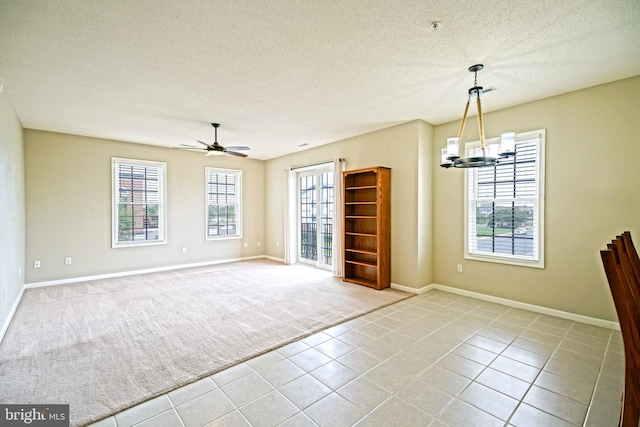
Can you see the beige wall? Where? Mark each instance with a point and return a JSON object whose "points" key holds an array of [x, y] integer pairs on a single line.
{"points": [[68, 207], [402, 148], [592, 193], [12, 208]]}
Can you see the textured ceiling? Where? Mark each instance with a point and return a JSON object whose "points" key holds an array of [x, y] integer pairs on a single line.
{"points": [[280, 73]]}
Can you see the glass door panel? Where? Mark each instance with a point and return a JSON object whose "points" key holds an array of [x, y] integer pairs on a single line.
{"points": [[326, 217], [315, 217], [308, 241]]}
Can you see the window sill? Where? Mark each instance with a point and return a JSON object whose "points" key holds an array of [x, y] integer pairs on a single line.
{"points": [[136, 244], [506, 260], [213, 239]]}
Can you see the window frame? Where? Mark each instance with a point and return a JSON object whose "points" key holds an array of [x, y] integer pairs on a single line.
{"points": [[162, 202], [238, 189], [539, 210]]}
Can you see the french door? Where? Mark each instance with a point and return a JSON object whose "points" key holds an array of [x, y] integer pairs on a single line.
{"points": [[315, 215]]}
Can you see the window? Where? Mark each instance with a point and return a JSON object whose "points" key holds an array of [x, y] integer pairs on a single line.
{"points": [[138, 202], [504, 205], [224, 215]]}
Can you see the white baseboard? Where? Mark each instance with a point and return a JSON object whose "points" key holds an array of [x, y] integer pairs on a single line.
{"points": [[272, 258], [411, 290], [12, 312], [133, 272], [511, 303]]}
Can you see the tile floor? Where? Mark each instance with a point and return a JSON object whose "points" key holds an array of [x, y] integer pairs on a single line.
{"points": [[437, 359]]}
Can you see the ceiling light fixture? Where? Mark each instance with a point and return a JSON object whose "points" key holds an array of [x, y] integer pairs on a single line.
{"points": [[490, 155]]}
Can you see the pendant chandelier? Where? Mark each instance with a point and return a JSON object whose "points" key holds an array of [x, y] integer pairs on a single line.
{"points": [[490, 155]]}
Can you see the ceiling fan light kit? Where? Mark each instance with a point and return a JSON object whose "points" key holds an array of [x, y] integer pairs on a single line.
{"points": [[490, 155], [214, 153], [216, 149]]}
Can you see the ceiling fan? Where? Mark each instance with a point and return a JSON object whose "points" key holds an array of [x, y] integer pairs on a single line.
{"points": [[216, 149]]}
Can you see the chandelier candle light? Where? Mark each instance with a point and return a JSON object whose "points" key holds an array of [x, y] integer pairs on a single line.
{"points": [[490, 155]]}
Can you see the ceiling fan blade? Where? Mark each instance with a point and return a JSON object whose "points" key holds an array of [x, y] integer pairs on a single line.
{"points": [[238, 148], [189, 147], [203, 143], [233, 153]]}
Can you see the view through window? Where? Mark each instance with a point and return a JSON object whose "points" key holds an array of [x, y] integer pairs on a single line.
{"points": [[138, 193], [504, 220], [315, 216], [223, 189]]}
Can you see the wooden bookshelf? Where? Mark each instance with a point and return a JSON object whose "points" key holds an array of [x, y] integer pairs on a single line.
{"points": [[367, 227]]}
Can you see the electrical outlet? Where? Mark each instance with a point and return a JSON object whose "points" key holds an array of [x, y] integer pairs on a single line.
{"points": [[258, 243], [459, 268], [184, 250], [246, 245], [67, 261], [36, 264], [277, 245]]}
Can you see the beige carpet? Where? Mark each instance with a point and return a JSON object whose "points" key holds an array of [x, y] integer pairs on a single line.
{"points": [[105, 345]]}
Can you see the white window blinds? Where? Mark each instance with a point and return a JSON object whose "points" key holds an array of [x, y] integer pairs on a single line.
{"points": [[504, 205], [223, 195], [138, 202]]}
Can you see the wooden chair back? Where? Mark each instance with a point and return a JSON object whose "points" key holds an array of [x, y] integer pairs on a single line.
{"points": [[631, 251], [624, 282]]}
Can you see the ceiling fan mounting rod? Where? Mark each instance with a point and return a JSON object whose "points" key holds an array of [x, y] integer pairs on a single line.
{"points": [[215, 129]]}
